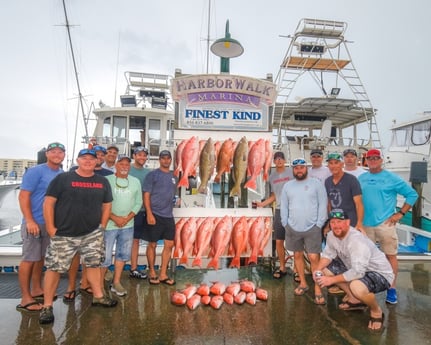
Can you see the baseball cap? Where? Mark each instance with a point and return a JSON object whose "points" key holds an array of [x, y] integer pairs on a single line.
{"points": [[112, 147], [54, 146], [352, 151], [99, 148], [279, 154], [87, 152], [373, 152], [123, 156], [165, 153], [316, 152], [334, 155], [140, 149], [299, 161], [338, 213]]}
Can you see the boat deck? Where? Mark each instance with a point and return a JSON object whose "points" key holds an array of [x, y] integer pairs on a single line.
{"points": [[146, 316]]}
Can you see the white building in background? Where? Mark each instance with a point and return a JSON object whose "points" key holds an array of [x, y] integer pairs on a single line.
{"points": [[7, 165]]}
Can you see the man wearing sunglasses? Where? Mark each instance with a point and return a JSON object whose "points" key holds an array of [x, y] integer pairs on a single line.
{"points": [[318, 170], [379, 193], [76, 210], [33, 230], [353, 262], [303, 212], [127, 194], [277, 180], [138, 170]]}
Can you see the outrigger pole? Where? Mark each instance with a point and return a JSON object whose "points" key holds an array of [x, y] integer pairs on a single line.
{"points": [[76, 76]]}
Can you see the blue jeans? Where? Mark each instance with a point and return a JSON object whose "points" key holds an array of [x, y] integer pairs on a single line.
{"points": [[123, 239]]}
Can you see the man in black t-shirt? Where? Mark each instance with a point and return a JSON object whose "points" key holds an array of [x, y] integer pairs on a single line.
{"points": [[76, 210]]}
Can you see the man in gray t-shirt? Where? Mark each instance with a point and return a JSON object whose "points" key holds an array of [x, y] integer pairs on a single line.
{"points": [[277, 179]]}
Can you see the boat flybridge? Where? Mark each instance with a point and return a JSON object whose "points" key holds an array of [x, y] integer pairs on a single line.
{"points": [[337, 112], [145, 117]]}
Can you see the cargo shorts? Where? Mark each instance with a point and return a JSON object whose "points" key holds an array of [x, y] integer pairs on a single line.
{"points": [[62, 249]]}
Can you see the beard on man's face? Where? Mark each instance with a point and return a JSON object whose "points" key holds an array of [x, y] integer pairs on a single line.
{"points": [[300, 176]]}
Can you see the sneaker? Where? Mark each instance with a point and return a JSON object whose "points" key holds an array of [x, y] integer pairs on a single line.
{"points": [[118, 289], [104, 302], [391, 296], [46, 315], [137, 274], [109, 275]]}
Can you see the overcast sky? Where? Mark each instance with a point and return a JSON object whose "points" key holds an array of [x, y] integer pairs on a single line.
{"points": [[391, 52]]}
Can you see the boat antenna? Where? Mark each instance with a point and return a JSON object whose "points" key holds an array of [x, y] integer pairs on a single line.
{"points": [[208, 33], [81, 103]]}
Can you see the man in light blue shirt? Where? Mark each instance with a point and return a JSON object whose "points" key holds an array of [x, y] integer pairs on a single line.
{"points": [[303, 212], [379, 194]]}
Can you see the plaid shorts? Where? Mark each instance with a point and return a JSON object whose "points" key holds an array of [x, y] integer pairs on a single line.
{"points": [[374, 281], [62, 249]]}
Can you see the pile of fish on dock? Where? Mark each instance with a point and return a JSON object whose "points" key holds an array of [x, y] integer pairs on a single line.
{"points": [[215, 237], [247, 159], [217, 294]]}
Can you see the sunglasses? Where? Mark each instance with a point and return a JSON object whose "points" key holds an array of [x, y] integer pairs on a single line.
{"points": [[141, 149], [337, 215], [56, 145], [373, 158], [87, 152], [335, 155], [121, 186], [299, 161]]}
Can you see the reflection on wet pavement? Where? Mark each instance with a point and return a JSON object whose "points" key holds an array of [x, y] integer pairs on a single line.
{"points": [[146, 316]]}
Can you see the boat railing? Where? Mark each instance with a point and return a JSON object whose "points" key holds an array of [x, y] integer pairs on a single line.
{"points": [[300, 146]]}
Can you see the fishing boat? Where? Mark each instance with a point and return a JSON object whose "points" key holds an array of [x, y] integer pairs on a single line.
{"points": [[337, 113], [7, 184]]}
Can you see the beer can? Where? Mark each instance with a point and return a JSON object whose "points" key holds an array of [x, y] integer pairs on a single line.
{"points": [[318, 274], [254, 204]]}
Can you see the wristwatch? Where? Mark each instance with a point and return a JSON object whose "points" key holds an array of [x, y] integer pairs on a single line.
{"points": [[403, 213]]}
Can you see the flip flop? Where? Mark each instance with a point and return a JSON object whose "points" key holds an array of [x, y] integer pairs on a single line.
{"points": [[377, 319], [296, 277], [154, 280], [20, 307], [349, 306], [278, 274], [168, 281], [41, 297], [71, 298], [319, 300], [299, 291], [86, 290]]}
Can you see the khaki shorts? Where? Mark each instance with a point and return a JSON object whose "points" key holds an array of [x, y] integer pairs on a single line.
{"points": [[385, 235]]}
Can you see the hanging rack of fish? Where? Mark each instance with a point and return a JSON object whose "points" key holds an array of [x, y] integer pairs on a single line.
{"points": [[211, 172]]}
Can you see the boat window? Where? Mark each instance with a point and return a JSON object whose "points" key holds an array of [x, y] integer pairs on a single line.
{"points": [[154, 136], [119, 127], [400, 137], [137, 130], [107, 127], [421, 133]]}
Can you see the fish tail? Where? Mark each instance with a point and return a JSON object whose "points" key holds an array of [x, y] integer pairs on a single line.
{"points": [[235, 191], [235, 262], [197, 262], [184, 181], [176, 253], [213, 263], [251, 183], [252, 259], [183, 259]]}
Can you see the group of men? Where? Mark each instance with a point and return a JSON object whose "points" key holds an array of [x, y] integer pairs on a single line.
{"points": [[348, 209], [77, 216]]}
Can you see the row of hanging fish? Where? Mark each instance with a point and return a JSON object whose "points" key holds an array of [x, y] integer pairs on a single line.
{"points": [[218, 293], [214, 237], [246, 159]]}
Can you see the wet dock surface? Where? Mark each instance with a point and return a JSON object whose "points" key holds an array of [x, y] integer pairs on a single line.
{"points": [[146, 316]]}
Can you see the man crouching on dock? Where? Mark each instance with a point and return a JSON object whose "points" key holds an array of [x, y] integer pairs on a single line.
{"points": [[354, 263], [76, 210]]}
